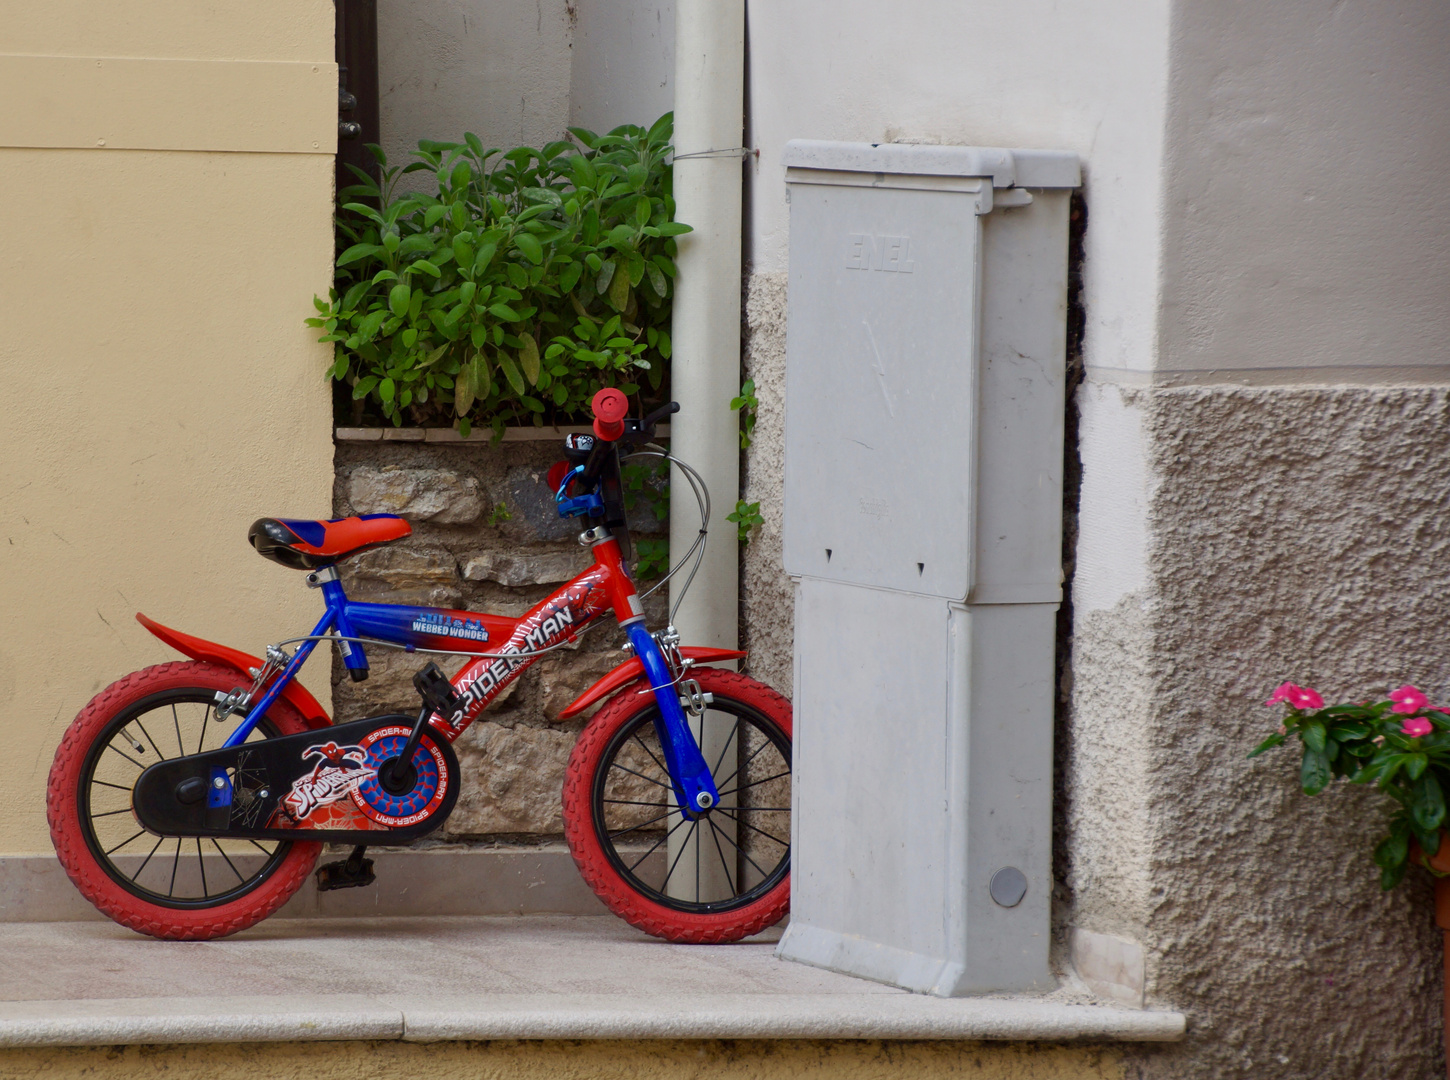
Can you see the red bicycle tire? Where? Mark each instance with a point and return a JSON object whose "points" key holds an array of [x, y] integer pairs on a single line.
{"points": [[81, 865], [594, 865]]}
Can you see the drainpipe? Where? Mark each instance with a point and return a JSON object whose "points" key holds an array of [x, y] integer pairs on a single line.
{"points": [[705, 365]]}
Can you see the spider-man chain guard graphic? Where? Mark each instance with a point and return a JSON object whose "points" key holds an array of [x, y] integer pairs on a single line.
{"points": [[319, 785]]}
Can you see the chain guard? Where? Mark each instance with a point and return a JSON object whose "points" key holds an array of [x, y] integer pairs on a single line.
{"points": [[319, 785]]}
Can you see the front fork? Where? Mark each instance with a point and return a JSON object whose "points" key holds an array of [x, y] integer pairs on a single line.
{"points": [[689, 773]]}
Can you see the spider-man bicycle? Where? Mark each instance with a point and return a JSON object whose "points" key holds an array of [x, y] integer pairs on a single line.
{"points": [[186, 804]]}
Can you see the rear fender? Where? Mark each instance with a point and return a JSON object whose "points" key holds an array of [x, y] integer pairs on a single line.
{"points": [[632, 669], [200, 649]]}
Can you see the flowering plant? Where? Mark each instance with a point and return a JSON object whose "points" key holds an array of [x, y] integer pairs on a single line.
{"points": [[1401, 745]]}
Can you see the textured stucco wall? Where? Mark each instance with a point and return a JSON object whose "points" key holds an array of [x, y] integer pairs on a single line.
{"points": [[663, 1060], [1296, 533]]}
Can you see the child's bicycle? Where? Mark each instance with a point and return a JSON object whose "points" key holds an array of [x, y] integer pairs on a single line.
{"points": [[191, 799]]}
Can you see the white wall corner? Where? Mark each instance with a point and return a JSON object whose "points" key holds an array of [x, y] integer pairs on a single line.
{"points": [[1111, 967], [1112, 545]]}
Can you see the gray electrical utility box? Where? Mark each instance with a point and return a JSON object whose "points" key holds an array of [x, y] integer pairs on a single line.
{"points": [[925, 371]]}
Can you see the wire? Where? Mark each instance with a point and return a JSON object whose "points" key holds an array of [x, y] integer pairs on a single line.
{"points": [[701, 492], [335, 638]]}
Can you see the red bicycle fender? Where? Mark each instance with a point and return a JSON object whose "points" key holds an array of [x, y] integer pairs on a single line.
{"points": [[201, 649], [632, 669]]}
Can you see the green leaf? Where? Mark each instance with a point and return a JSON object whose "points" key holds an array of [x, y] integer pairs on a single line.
{"points": [[657, 280], [569, 277], [605, 276], [1272, 741], [504, 312], [1393, 876], [530, 246], [427, 268], [1314, 774], [434, 215], [463, 390], [674, 228], [484, 256], [1427, 802], [511, 373], [356, 252], [386, 389], [529, 359], [619, 292], [1392, 851], [398, 299], [1313, 735], [641, 213], [1415, 765]]}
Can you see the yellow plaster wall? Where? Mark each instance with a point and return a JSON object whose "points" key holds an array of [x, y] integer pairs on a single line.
{"points": [[165, 208], [706, 1060]]}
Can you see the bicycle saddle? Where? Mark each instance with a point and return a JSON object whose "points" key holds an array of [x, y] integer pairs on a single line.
{"points": [[311, 545]]}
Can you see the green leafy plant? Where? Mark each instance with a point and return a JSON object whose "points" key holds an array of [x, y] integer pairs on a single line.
{"points": [[647, 483], [746, 403], [746, 517], [517, 288], [1402, 746], [499, 514], [654, 559]]}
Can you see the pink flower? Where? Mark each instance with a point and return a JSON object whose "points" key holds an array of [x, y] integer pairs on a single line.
{"points": [[1305, 698], [1282, 694], [1298, 697], [1417, 727], [1408, 700]]}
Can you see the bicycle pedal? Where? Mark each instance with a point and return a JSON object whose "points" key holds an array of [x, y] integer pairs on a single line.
{"points": [[341, 875]]}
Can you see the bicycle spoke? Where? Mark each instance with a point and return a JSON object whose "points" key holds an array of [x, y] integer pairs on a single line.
{"points": [[738, 848], [693, 825], [753, 783], [641, 825], [201, 865], [657, 843], [762, 832], [126, 841], [634, 802], [650, 752], [180, 748], [159, 841], [103, 783], [128, 757], [223, 854], [150, 739], [723, 864], [743, 764], [113, 813], [199, 742], [642, 776], [259, 847], [735, 730], [174, 862]]}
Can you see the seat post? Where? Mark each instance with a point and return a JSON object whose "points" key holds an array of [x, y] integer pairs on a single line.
{"points": [[353, 656]]}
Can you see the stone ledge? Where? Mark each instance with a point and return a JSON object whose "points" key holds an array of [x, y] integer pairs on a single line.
{"points": [[421, 882], [572, 1016], [478, 435]]}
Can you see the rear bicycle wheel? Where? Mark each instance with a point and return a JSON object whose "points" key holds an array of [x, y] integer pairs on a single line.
{"points": [[717, 877], [184, 888]]}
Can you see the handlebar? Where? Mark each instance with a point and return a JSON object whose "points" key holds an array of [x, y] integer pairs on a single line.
{"points": [[610, 408]]}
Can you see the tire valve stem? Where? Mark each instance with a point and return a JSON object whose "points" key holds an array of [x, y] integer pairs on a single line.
{"points": [[136, 745]]}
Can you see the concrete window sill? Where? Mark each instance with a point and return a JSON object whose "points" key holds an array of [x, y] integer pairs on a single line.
{"points": [[439, 979], [477, 435]]}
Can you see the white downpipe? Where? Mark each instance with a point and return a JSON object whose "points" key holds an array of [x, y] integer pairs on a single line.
{"points": [[709, 115], [705, 372]]}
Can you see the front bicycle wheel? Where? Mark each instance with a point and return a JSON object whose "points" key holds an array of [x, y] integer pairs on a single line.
{"points": [[183, 888], [716, 877]]}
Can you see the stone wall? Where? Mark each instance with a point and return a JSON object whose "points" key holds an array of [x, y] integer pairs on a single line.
{"points": [[1299, 534], [486, 537]]}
